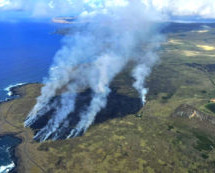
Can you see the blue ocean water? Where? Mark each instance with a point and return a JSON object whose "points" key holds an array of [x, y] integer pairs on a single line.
{"points": [[26, 52]]}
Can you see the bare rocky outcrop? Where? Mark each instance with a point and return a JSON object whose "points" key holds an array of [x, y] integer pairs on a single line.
{"points": [[187, 111]]}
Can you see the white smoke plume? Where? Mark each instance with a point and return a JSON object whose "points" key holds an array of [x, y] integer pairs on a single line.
{"points": [[68, 105], [92, 57]]}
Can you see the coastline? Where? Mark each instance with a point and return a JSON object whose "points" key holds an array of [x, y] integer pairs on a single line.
{"points": [[9, 89], [14, 93], [17, 156], [13, 152]]}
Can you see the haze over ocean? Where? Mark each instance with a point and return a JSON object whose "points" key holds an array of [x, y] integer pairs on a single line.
{"points": [[26, 52]]}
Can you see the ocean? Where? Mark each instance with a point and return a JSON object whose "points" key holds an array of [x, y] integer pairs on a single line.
{"points": [[7, 144], [26, 52]]}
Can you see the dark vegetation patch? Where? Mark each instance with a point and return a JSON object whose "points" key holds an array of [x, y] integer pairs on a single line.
{"points": [[203, 91], [211, 107], [170, 127], [184, 27], [203, 142], [203, 67], [167, 97]]}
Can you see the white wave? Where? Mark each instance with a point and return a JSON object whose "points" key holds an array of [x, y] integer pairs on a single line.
{"points": [[7, 168], [8, 89]]}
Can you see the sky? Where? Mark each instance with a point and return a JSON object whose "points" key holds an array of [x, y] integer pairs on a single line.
{"points": [[18, 9]]}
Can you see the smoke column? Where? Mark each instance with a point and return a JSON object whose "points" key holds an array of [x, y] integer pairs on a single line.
{"points": [[91, 57]]}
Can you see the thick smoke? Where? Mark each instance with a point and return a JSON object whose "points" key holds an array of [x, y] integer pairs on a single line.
{"points": [[91, 58]]}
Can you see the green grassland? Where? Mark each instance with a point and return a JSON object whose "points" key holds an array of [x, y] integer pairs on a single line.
{"points": [[151, 140]]}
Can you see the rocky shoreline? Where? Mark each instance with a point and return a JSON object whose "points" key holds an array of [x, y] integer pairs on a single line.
{"points": [[14, 152]]}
